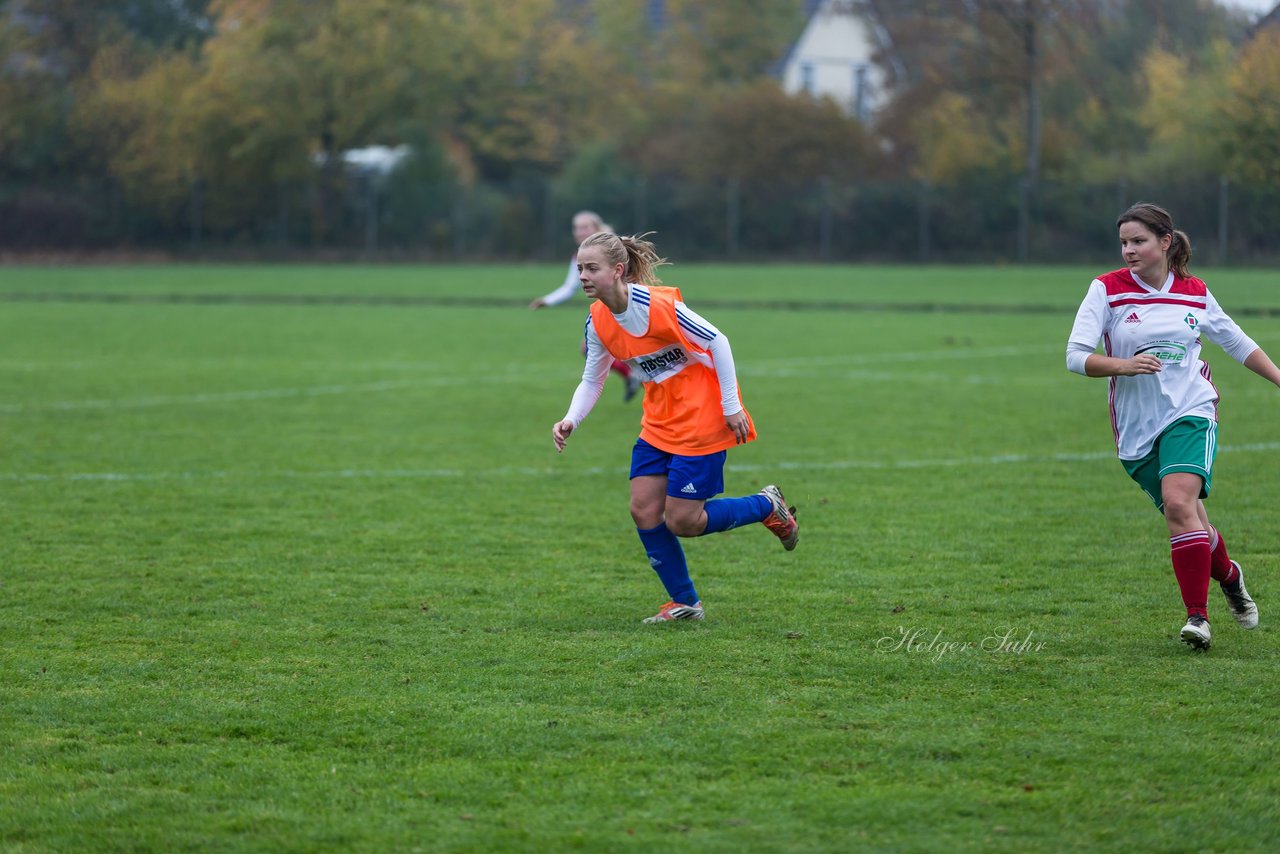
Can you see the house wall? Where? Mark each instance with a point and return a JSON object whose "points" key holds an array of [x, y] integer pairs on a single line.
{"points": [[826, 59]]}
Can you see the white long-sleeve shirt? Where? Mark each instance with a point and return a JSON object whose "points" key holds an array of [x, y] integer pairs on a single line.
{"points": [[635, 320], [572, 285], [1131, 317]]}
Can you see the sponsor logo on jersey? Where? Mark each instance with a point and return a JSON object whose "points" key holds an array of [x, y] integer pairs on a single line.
{"points": [[1133, 318], [1165, 351], [665, 363]]}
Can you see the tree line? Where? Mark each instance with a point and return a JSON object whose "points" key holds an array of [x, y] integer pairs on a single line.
{"points": [[223, 123]]}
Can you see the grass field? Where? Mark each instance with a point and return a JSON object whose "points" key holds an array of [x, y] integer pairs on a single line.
{"points": [[289, 565]]}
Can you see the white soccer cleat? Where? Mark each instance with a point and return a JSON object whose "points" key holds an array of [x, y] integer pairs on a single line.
{"points": [[1196, 632], [1240, 602]]}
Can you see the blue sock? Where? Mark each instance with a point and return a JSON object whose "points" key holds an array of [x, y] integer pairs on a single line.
{"points": [[726, 513], [667, 559]]}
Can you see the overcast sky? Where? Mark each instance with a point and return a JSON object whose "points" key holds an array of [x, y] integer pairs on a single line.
{"points": [[1257, 7]]}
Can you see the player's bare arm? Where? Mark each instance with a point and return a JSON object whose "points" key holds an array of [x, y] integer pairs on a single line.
{"points": [[1260, 363]]}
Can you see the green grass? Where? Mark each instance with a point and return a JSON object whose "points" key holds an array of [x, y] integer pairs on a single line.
{"points": [[308, 577]]}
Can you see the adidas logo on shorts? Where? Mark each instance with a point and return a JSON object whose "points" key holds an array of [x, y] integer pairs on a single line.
{"points": [[689, 488]]}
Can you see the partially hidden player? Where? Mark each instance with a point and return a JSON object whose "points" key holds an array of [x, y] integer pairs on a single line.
{"points": [[585, 224]]}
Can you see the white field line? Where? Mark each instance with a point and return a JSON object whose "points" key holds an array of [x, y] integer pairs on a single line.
{"points": [[957, 352], [567, 469], [901, 377], [880, 358], [768, 368], [257, 394], [119, 363]]}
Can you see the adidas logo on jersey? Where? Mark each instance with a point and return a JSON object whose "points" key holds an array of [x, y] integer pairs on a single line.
{"points": [[689, 488], [1133, 318]]}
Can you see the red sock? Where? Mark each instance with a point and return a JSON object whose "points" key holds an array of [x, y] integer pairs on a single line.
{"points": [[1221, 569], [1191, 561], [622, 368]]}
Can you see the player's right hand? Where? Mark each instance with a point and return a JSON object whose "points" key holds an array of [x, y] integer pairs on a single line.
{"points": [[560, 433], [1143, 363]]}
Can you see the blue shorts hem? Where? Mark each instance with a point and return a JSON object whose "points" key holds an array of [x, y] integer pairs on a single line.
{"points": [[697, 478]]}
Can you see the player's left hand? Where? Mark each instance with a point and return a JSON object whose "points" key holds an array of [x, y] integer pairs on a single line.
{"points": [[738, 425]]}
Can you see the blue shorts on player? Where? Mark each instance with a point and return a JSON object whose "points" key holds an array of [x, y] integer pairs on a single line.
{"points": [[697, 477]]}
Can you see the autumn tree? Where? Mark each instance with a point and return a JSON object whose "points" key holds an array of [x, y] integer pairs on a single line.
{"points": [[526, 85], [50, 46], [1250, 130], [140, 117], [706, 44], [1144, 79], [233, 110], [759, 134], [279, 89], [1180, 113]]}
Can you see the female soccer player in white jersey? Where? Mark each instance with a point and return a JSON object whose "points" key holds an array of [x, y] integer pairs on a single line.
{"points": [[692, 412], [585, 224], [1150, 316]]}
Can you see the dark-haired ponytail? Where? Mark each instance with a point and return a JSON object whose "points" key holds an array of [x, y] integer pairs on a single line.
{"points": [[1180, 254]]}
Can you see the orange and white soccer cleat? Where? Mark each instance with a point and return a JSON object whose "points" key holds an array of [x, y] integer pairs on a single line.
{"points": [[675, 611], [782, 521]]}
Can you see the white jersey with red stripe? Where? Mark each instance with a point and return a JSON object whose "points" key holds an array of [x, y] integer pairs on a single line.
{"points": [[1131, 317]]}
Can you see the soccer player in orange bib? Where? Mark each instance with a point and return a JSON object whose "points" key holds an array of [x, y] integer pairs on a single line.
{"points": [[692, 412], [1150, 316]]}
